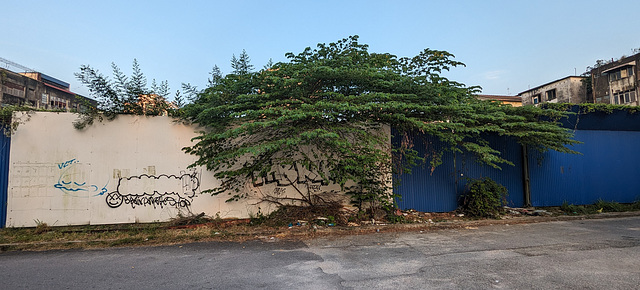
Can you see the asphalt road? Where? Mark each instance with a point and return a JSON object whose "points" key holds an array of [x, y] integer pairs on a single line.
{"points": [[581, 254]]}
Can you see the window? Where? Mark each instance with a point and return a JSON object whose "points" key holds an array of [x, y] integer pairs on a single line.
{"points": [[621, 73], [626, 97], [535, 99], [551, 94], [614, 76]]}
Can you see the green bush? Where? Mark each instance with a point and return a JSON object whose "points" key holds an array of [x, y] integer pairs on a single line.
{"points": [[483, 198]]}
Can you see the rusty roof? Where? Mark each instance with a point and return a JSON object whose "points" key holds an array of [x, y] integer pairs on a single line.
{"points": [[500, 98]]}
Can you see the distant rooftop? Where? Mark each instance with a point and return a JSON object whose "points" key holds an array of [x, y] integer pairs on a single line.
{"points": [[14, 67], [500, 98], [535, 88], [53, 81]]}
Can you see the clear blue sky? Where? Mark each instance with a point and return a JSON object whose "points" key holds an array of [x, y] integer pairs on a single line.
{"points": [[508, 46]]}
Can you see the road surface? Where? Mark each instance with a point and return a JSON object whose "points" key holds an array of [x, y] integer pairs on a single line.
{"points": [[579, 254]]}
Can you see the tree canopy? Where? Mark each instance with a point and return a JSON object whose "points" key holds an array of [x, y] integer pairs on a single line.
{"points": [[122, 94], [324, 109]]}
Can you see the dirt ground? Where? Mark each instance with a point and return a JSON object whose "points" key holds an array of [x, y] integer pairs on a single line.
{"points": [[285, 225]]}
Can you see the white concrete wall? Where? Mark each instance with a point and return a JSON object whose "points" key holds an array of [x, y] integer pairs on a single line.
{"points": [[62, 176], [131, 169]]}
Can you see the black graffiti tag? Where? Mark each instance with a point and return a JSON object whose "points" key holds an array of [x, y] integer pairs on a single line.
{"points": [[301, 176], [157, 191]]}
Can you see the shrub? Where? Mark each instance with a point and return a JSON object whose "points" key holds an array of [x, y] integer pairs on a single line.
{"points": [[635, 205], [483, 198]]}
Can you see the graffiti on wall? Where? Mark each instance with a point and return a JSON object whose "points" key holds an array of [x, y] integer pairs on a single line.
{"points": [[72, 180], [156, 190], [294, 174], [279, 190]]}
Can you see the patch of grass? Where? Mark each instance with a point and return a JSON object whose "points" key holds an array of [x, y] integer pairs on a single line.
{"points": [[259, 218], [609, 206], [44, 237], [599, 206], [36, 238], [572, 209], [192, 219], [126, 241], [396, 219], [332, 212]]}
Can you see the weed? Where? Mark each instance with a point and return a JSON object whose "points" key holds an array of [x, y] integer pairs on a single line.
{"points": [[395, 219], [599, 206], [572, 209], [41, 227], [257, 219], [608, 206], [192, 219]]}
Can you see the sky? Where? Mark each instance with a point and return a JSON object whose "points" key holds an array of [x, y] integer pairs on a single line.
{"points": [[508, 46]]}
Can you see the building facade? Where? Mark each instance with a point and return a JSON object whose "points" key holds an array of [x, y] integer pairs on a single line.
{"points": [[40, 91], [571, 89], [617, 82]]}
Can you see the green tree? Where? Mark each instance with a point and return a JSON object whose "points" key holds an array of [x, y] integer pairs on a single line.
{"points": [[178, 99], [241, 65], [122, 94], [216, 76], [137, 84], [161, 89], [269, 64], [324, 110]]}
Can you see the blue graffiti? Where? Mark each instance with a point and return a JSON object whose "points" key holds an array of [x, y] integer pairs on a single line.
{"points": [[76, 188], [67, 163]]}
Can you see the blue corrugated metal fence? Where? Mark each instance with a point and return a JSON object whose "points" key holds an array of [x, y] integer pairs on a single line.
{"points": [[605, 170], [5, 144], [439, 190]]}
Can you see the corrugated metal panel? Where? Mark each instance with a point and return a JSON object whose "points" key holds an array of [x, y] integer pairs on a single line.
{"points": [[424, 190], [438, 191], [5, 144], [604, 121], [509, 176], [606, 170]]}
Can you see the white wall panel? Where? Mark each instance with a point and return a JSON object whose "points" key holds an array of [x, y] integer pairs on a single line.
{"points": [[63, 176]]}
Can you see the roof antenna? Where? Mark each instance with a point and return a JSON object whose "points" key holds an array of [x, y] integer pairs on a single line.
{"points": [[507, 91]]}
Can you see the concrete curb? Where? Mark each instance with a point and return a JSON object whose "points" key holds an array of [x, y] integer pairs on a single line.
{"points": [[367, 229]]}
